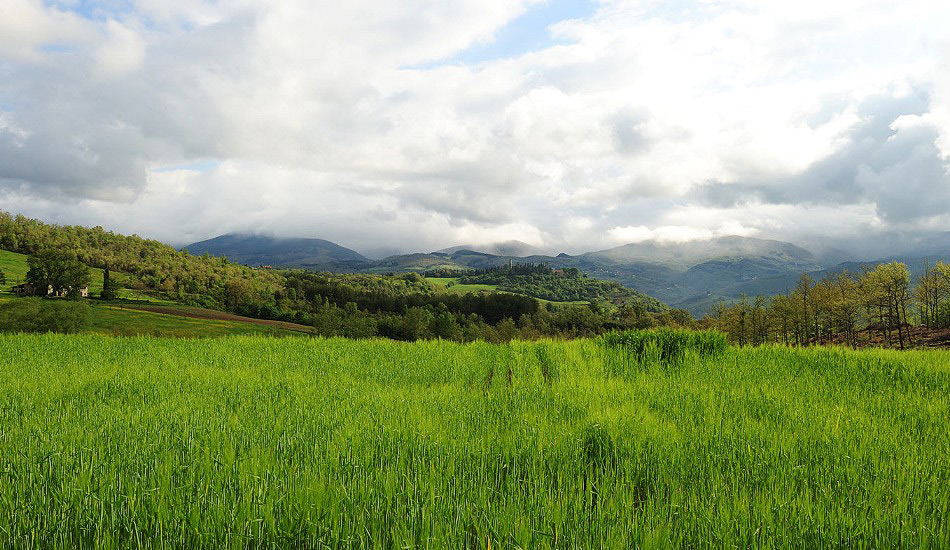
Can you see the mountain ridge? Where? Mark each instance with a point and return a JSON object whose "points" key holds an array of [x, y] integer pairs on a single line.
{"points": [[252, 249]]}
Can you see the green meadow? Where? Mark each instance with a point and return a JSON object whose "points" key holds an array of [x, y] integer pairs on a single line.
{"points": [[640, 441], [452, 285]]}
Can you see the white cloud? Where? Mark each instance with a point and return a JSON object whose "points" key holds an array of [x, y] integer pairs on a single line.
{"points": [[334, 119], [677, 233]]}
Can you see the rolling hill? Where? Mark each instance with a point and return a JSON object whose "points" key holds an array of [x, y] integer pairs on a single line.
{"points": [[264, 250]]}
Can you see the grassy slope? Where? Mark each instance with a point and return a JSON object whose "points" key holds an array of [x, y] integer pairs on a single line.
{"points": [[117, 318], [308, 442], [122, 319]]}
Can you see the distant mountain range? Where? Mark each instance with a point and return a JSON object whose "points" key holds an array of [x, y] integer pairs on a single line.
{"points": [[692, 276]]}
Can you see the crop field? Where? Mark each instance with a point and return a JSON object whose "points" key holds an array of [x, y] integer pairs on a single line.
{"points": [[634, 441]]}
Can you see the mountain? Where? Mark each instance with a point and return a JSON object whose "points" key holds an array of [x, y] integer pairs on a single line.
{"points": [[506, 248], [689, 254], [697, 274], [263, 250]]}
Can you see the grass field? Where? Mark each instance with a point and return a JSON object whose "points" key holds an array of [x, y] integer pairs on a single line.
{"points": [[452, 286], [308, 443], [128, 319]]}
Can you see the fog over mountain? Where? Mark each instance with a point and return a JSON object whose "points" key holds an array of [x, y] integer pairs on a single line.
{"points": [[414, 126]]}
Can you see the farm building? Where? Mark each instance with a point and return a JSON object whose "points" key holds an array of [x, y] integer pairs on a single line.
{"points": [[26, 289]]}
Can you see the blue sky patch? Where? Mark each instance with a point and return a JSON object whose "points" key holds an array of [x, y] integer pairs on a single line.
{"points": [[199, 166], [98, 10], [527, 33]]}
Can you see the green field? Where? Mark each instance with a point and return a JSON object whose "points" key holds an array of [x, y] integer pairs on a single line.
{"points": [[309, 443], [452, 286], [121, 319]]}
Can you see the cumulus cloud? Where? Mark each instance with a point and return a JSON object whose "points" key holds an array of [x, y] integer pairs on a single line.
{"points": [[354, 121]]}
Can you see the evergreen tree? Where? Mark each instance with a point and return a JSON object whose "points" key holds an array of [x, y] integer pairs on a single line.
{"points": [[108, 286]]}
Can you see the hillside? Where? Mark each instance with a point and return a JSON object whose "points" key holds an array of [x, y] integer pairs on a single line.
{"points": [[257, 250], [400, 306], [506, 248], [683, 256]]}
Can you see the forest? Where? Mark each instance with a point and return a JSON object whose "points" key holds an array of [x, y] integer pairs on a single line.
{"points": [[559, 285], [883, 305]]}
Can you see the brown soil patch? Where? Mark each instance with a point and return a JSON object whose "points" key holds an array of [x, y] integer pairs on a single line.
{"points": [[914, 338], [198, 313]]}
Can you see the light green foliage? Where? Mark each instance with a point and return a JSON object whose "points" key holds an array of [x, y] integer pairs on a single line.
{"points": [[309, 443]]}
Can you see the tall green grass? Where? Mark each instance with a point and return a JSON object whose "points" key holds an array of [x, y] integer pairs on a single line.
{"points": [[309, 443], [635, 349]]}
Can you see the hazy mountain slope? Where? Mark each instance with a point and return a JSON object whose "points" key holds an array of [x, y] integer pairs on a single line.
{"points": [[264, 250], [506, 248], [689, 254]]}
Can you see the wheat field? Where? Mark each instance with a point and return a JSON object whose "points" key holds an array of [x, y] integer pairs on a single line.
{"points": [[308, 443]]}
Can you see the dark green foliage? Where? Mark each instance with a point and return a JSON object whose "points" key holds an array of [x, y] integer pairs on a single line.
{"points": [[108, 286], [666, 347], [39, 315], [58, 271], [597, 447], [560, 285]]}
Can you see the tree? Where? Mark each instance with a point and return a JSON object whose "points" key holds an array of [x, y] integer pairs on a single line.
{"points": [[58, 271], [886, 291], [931, 293], [108, 287], [803, 292]]}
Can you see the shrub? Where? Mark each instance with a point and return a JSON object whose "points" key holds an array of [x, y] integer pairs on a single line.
{"points": [[39, 315]]}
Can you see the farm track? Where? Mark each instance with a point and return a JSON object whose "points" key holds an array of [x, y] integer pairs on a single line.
{"points": [[198, 313]]}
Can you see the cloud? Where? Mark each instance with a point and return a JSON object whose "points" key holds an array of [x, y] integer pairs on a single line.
{"points": [[889, 158], [367, 122], [676, 233]]}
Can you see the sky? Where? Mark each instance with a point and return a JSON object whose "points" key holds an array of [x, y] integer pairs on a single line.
{"points": [[421, 124]]}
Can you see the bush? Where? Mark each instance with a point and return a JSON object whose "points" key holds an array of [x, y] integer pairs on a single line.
{"points": [[39, 315]]}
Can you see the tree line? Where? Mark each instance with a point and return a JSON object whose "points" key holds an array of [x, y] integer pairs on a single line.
{"points": [[881, 304]]}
